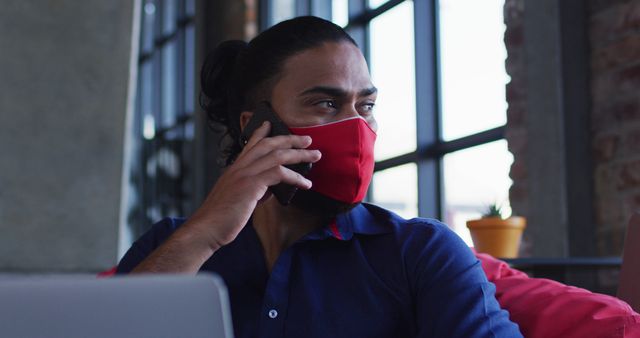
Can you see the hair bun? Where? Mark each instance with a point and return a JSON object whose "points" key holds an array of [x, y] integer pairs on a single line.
{"points": [[216, 79]]}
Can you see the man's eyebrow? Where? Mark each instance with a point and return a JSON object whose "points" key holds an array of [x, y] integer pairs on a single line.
{"points": [[368, 91], [336, 92], [331, 91]]}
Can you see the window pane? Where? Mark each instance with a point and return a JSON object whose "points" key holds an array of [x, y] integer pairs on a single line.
{"points": [[145, 91], [472, 56], [169, 16], [169, 84], [148, 23], [340, 12], [376, 3], [282, 10], [396, 189], [190, 7], [393, 73], [189, 79], [474, 178]]}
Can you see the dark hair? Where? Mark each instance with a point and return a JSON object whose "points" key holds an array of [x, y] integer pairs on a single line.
{"points": [[237, 75]]}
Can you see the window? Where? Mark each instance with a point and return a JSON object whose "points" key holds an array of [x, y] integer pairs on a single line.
{"points": [[162, 139], [439, 67], [396, 187], [473, 80]]}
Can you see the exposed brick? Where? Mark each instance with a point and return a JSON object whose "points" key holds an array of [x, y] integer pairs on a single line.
{"points": [[623, 52], [601, 26], [516, 114], [602, 87], [514, 92], [631, 205], [609, 214], [614, 23], [626, 111], [514, 65], [629, 175], [608, 281], [610, 241], [518, 170], [514, 35], [518, 193], [594, 6], [603, 179], [616, 111], [513, 11], [631, 17], [605, 147], [631, 144], [628, 79], [614, 34], [517, 140]]}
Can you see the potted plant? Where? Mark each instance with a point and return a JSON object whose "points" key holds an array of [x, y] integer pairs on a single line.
{"points": [[495, 234]]}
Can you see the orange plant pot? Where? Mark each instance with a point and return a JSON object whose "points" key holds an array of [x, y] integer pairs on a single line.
{"points": [[496, 236]]}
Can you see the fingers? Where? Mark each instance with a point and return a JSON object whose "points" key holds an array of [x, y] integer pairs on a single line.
{"points": [[260, 145], [283, 157], [269, 144], [281, 174], [264, 158], [258, 134]]}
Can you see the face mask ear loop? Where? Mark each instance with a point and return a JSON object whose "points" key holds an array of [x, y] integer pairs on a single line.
{"points": [[361, 152]]}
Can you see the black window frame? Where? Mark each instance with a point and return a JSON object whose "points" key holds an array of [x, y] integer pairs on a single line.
{"points": [[165, 192]]}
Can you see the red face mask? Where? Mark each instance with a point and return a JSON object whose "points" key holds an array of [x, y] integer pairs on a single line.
{"points": [[346, 167]]}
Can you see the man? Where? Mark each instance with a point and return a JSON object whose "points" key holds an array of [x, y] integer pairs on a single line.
{"points": [[325, 265]]}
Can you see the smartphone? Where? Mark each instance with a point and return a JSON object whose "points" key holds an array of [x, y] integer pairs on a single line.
{"points": [[283, 192]]}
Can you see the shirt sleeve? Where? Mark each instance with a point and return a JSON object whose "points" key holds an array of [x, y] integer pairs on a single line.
{"points": [[453, 296], [148, 242]]}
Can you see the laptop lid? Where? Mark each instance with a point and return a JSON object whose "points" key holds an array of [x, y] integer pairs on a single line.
{"points": [[629, 287], [132, 306]]}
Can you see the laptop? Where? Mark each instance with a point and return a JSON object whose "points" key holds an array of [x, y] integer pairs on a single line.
{"points": [[132, 306], [628, 289]]}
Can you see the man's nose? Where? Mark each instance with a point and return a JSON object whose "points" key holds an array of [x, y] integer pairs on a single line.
{"points": [[348, 110]]}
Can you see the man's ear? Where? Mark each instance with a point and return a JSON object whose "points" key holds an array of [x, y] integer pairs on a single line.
{"points": [[245, 117]]}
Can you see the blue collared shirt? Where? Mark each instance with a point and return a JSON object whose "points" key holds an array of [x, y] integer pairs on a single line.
{"points": [[369, 274]]}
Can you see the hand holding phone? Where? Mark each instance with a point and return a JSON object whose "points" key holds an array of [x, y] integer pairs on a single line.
{"points": [[283, 192]]}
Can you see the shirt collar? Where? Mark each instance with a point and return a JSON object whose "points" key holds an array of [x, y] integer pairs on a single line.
{"points": [[359, 220]]}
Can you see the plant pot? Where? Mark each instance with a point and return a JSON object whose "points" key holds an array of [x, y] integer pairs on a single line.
{"points": [[496, 236]]}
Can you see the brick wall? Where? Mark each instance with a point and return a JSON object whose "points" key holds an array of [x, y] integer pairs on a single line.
{"points": [[614, 35], [516, 133], [614, 32]]}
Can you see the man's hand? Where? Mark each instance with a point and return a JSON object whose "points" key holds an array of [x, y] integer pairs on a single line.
{"points": [[232, 200], [261, 163]]}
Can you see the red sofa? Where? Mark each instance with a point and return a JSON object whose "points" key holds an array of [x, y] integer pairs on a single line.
{"points": [[544, 308]]}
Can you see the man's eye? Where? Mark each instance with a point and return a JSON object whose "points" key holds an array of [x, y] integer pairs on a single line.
{"points": [[327, 104], [368, 107]]}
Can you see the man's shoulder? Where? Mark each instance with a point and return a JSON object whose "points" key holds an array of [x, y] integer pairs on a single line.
{"points": [[405, 228], [420, 237]]}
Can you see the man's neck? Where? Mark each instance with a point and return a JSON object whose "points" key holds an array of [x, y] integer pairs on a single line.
{"points": [[280, 226]]}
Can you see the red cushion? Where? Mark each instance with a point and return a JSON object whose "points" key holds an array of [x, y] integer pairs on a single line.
{"points": [[107, 273], [545, 308]]}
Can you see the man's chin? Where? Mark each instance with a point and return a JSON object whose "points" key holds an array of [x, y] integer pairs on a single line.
{"points": [[316, 203]]}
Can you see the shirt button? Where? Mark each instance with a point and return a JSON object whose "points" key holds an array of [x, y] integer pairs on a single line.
{"points": [[273, 313]]}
